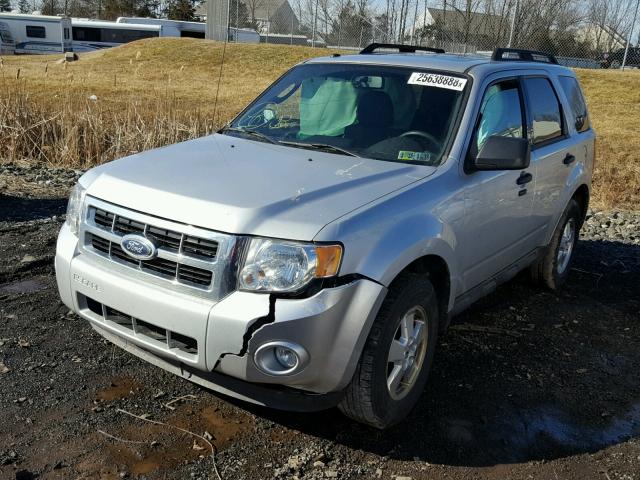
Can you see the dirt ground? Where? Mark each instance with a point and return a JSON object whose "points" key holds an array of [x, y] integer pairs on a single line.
{"points": [[526, 385]]}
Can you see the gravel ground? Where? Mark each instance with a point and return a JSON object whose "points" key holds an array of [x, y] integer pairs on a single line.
{"points": [[527, 384]]}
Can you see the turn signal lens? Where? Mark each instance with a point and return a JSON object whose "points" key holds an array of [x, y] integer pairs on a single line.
{"points": [[328, 260]]}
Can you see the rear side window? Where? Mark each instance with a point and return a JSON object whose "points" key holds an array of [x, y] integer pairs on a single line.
{"points": [[544, 109], [34, 31], [576, 101]]}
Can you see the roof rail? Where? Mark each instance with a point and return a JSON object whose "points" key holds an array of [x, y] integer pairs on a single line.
{"points": [[371, 48], [522, 55]]}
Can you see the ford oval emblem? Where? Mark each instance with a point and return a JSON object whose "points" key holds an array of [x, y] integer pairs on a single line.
{"points": [[138, 247]]}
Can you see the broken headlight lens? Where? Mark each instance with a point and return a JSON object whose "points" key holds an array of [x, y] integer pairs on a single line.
{"points": [[278, 266], [74, 208]]}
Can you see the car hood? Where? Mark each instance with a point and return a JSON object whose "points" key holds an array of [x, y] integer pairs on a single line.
{"points": [[242, 186]]}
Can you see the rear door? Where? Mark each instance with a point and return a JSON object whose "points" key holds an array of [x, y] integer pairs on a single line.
{"points": [[553, 152]]}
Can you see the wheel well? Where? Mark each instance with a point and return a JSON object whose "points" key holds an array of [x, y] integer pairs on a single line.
{"points": [[436, 269], [581, 195]]}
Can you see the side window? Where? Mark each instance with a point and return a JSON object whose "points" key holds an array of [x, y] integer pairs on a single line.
{"points": [[500, 113], [66, 33], [576, 101], [544, 108], [36, 32]]}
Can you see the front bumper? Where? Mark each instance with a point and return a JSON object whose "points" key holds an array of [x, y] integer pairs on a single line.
{"points": [[332, 325]]}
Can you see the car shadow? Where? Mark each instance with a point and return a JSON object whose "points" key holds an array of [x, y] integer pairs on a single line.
{"points": [[21, 209], [551, 374]]}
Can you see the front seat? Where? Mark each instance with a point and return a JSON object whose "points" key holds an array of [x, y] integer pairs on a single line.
{"points": [[374, 117]]}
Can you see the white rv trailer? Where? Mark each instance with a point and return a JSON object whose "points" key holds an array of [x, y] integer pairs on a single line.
{"points": [[91, 35], [170, 28], [178, 28], [38, 34], [7, 44]]}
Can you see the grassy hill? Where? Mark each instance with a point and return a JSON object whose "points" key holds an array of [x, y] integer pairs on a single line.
{"points": [[153, 92]]}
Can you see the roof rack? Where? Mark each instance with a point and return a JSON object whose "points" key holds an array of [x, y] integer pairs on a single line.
{"points": [[522, 55], [371, 48]]}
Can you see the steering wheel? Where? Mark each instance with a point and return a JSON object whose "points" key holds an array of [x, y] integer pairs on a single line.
{"points": [[425, 135]]}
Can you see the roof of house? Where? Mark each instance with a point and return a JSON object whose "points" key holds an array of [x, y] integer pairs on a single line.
{"points": [[264, 9], [458, 20]]}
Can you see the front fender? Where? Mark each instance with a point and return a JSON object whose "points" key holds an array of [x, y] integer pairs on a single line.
{"points": [[382, 239]]}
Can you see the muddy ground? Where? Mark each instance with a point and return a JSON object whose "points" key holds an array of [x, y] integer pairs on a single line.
{"points": [[526, 385]]}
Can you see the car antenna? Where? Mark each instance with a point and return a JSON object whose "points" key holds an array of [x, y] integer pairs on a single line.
{"points": [[224, 50]]}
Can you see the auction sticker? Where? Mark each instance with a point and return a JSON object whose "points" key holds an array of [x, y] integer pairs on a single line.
{"points": [[436, 80]]}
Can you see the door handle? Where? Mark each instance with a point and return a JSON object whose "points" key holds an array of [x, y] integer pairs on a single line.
{"points": [[524, 178], [569, 159]]}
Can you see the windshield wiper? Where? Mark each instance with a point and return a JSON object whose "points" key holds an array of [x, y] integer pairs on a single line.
{"points": [[252, 133], [321, 146]]}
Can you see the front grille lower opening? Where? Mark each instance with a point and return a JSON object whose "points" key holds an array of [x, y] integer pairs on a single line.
{"points": [[184, 343], [118, 317], [151, 331], [95, 307]]}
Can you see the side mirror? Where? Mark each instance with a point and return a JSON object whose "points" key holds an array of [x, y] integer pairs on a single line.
{"points": [[503, 153]]}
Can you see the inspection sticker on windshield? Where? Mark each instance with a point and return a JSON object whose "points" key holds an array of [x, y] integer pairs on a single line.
{"points": [[435, 80], [413, 156]]}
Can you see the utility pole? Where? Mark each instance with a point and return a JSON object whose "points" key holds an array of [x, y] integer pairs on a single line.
{"points": [[513, 25], [218, 20], [633, 27]]}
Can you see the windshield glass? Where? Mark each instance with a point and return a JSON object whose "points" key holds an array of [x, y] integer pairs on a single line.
{"points": [[386, 113]]}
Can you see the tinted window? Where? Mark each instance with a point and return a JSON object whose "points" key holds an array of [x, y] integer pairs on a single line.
{"points": [[86, 34], [36, 32], [576, 101], [113, 35], [66, 33], [544, 108], [501, 113]]}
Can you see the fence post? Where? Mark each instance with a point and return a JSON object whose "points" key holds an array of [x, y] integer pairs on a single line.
{"points": [[633, 26], [315, 21]]}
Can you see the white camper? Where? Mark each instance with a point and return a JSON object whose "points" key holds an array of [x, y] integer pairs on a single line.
{"points": [[7, 44], [91, 35], [38, 34], [178, 28], [170, 28]]}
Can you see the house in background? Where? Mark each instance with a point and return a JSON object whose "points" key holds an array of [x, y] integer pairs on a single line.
{"points": [[602, 38], [457, 30], [268, 16]]}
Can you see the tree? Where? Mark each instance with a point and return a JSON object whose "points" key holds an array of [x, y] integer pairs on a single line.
{"points": [[5, 6], [24, 7], [181, 10], [50, 7]]}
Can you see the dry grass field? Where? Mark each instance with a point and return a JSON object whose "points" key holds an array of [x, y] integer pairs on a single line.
{"points": [[154, 92]]}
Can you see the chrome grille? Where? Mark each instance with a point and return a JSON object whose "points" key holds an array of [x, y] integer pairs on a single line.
{"points": [[187, 257]]}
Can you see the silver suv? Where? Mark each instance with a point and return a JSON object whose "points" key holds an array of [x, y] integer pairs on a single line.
{"points": [[310, 253]]}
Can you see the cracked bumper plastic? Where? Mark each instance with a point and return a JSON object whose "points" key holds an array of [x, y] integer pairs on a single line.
{"points": [[332, 325]]}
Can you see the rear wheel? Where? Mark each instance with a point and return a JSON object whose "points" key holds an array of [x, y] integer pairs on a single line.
{"points": [[397, 356], [552, 269]]}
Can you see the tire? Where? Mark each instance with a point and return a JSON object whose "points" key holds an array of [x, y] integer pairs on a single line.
{"points": [[551, 270], [368, 399]]}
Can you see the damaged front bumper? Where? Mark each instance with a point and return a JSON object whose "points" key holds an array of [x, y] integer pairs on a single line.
{"points": [[214, 343]]}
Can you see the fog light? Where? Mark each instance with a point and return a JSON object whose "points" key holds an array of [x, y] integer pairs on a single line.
{"points": [[286, 357], [281, 358]]}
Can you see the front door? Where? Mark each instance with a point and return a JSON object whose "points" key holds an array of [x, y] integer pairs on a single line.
{"points": [[498, 204]]}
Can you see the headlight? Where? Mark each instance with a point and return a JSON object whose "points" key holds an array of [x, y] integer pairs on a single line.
{"points": [[74, 208], [280, 266]]}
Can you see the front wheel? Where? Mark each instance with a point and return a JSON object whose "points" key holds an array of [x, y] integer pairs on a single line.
{"points": [[552, 269], [397, 356]]}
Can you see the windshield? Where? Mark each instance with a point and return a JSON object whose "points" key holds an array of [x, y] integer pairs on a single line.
{"points": [[380, 112]]}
